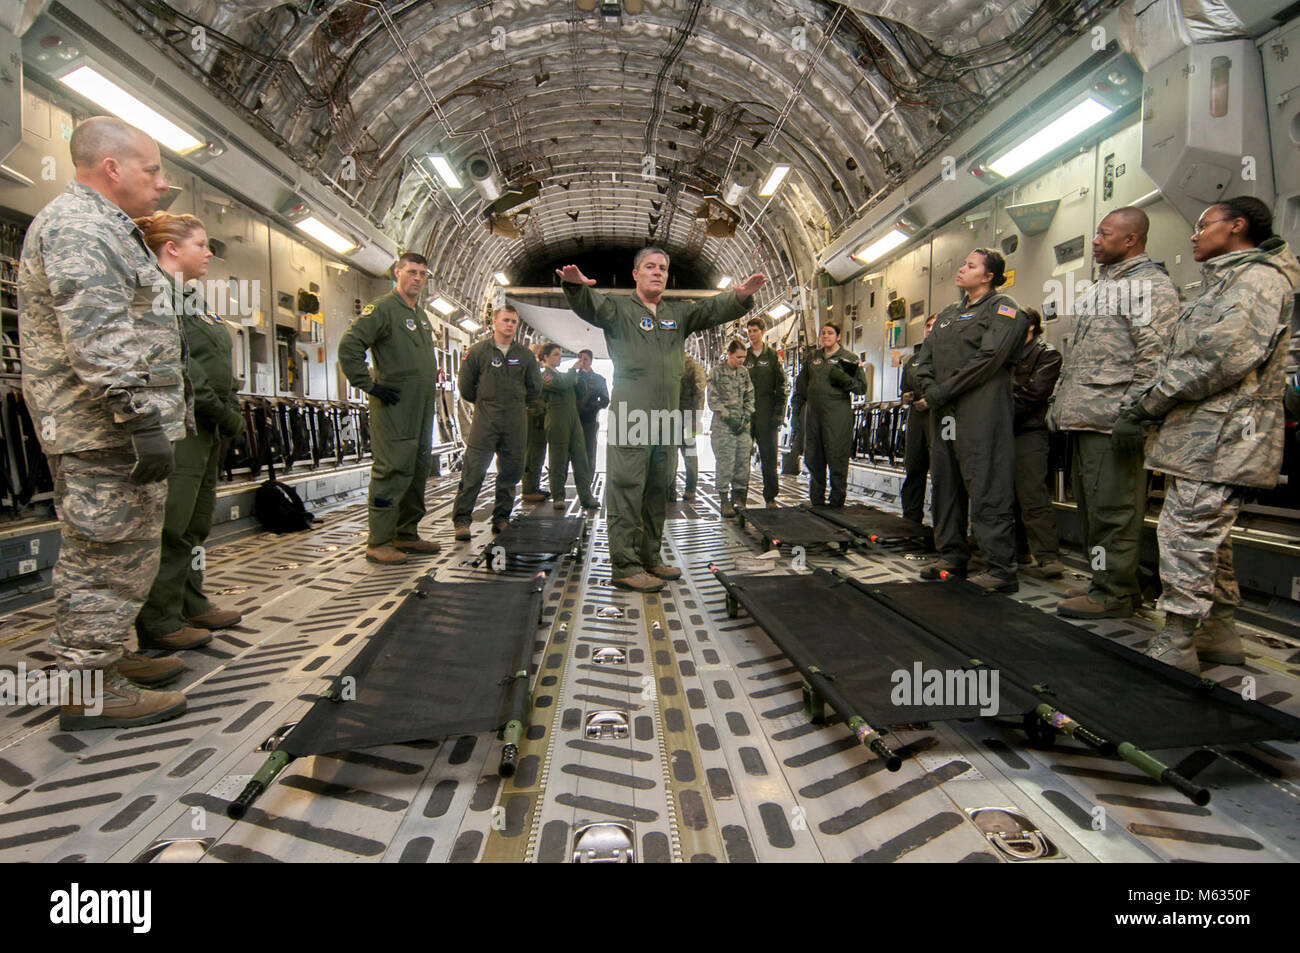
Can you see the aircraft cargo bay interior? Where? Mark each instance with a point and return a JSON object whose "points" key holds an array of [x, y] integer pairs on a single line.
{"points": [[650, 431]]}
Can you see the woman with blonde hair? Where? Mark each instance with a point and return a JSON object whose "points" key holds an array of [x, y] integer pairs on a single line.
{"points": [[177, 615]]}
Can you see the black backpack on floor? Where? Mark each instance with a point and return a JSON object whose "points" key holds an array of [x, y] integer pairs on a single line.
{"points": [[277, 506]]}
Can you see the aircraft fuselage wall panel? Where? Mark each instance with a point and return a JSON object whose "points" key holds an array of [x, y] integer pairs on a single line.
{"points": [[1282, 87], [1202, 139]]}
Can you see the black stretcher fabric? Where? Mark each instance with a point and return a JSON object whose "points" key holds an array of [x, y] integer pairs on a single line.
{"points": [[819, 620], [536, 535], [863, 634], [441, 665], [795, 527], [867, 521]]}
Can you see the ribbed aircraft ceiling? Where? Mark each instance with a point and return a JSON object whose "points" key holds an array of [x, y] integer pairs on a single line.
{"points": [[570, 98]]}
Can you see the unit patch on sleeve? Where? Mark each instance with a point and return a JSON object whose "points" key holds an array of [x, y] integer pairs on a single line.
{"points": [[367, 310]]}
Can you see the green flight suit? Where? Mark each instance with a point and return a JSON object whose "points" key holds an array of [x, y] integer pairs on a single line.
{"points": [[400, 341], [648, 351], [828, 420], [499, 386], [564, 435], [177, 591], [768, 378], [964, 372], [535, 446]]}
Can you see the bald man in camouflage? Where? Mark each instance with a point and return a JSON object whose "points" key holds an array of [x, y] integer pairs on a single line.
{"points": [[104, 379], [1119, 335]]}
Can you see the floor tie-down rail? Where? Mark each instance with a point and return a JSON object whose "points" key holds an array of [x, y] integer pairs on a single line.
{"points": [[452, 659], [907, 652]]}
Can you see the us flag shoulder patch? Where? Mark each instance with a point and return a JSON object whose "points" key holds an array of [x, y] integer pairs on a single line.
{"points": [[1007, 311]]}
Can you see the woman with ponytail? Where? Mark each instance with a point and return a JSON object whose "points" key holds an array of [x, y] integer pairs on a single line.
{"points": [[177, 615], [964, 376]]}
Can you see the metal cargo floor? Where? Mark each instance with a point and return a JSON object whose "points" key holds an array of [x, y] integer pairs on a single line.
{"points": [[719, 763]]}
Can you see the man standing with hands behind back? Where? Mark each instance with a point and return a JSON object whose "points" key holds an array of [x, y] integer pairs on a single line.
{"points": [[402, 392], [645, 337]]}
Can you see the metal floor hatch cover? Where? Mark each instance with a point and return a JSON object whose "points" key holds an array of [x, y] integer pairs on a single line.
{"points": [[657, 713]]}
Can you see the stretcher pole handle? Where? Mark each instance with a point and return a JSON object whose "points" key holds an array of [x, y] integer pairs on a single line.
{"points": [[868, 736], [1063, 722], [1162, 772], [237, 808]]}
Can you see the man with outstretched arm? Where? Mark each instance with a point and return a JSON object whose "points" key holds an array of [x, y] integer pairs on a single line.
{"points": [[645, 336]]}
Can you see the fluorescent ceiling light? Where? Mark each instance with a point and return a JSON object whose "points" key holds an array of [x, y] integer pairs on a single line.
{"points": [[445, 171], [725, 283], [470, 325], [1088, 113], [881, 246], [333, 240], [779, 312], [102, 91], [774, 179], [501, 278], [444, 306]]}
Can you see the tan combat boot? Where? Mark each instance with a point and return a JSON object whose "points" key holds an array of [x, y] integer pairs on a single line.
{"points": [[417, 545], [1050, 568], [1217, 640], [185, 638], [149, 671], [124, 706], [1173, 644], [641, 582], [215, 618], [385, 555], [1085, 607]]}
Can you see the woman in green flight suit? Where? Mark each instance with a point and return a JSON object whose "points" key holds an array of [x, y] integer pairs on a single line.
{"points": [[564, 435], [177, 615]]}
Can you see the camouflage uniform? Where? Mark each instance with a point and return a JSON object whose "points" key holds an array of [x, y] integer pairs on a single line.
{"points": [[731, 398], [692, 400], [102, 358], [1119, 334], [1219, 392]]}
